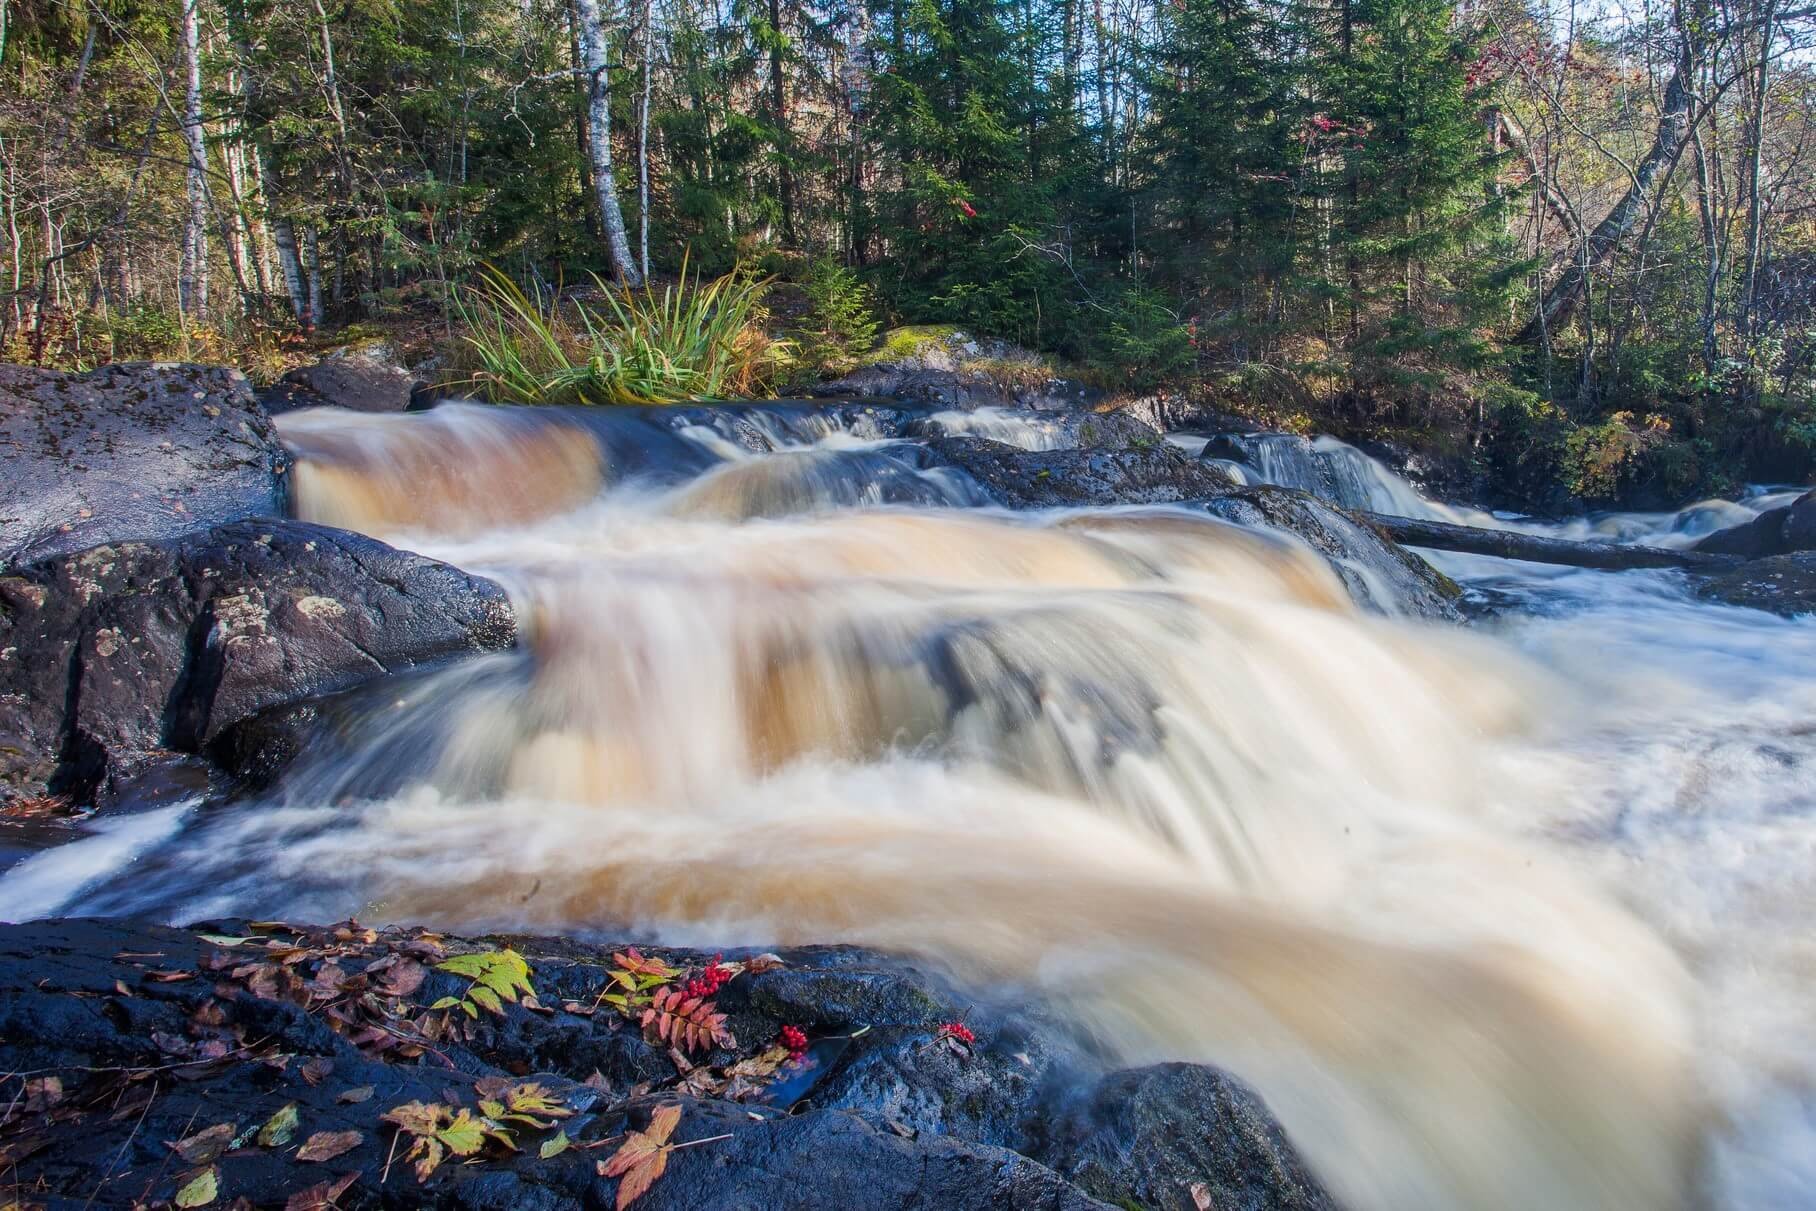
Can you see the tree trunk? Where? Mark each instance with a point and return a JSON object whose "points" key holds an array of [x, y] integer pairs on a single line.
{"points": [[283, 234], [1755, 213], [778, 112], [1511, 544], [1676, 118], [591, 30], [649, 77], [192, 283]]}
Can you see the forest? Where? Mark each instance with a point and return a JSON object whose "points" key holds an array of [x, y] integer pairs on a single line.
{"points": [[1572, 245]]}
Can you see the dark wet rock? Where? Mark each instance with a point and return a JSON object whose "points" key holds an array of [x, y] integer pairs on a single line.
{"points": [[367, 377], [118, 654], [1779, 584], [1777, 531], [1148, 1135], [1153, 472], [1379, 573], [150, 1037], [133, 450]]}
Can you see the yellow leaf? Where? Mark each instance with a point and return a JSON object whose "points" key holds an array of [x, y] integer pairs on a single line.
{"points": [[465, 1135], [279, 1128], [553, 1147], [200, 1190]]}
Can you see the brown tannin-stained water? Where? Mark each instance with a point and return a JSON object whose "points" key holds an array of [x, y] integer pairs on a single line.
{"points": [[1492, 920]]}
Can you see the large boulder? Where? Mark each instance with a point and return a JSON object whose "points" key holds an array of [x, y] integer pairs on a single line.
{"points": [[117, 654], [366, 377], [1778, 531], [1146, 473], [134, 450], [1778, 584], [152, 1051], [1379, 573]]}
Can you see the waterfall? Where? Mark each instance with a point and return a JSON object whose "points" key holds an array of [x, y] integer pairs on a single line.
{"points": [[1151, 762]]}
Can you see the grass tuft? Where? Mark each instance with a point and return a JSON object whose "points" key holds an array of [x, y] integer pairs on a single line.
{"points": [[687, 340]]}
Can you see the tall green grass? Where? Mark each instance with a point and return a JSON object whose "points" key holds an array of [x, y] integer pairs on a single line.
{"points": [[683, 341]]}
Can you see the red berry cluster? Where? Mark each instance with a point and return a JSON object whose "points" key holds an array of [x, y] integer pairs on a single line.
{"points": [[959, 1031], [795, 1041], [710, 980]]}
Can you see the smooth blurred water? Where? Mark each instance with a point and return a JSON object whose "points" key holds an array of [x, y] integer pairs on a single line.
{"points": [[1512, 917]]}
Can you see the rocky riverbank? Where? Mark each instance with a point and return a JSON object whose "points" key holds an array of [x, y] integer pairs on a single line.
{"points": [[277, 1065]]}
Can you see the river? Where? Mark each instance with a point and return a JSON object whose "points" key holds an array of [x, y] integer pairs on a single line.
{"points": [[1509, 915]]}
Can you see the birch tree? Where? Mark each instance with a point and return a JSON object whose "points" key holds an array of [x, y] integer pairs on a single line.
{"points": [[593, 62]]}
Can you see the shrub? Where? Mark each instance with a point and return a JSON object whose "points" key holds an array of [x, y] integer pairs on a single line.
{"points": [[1144, 342], [842, 324]]}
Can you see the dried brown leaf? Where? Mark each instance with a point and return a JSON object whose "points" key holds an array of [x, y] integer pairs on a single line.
{"points": [[321, 1196], [317, 1070], [359, 1093], [326, 1145], [204, 1146]]}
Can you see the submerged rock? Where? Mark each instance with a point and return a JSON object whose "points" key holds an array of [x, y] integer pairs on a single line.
{"points": [[157, 1056], [1379, 573], [117, 654], [133, 450], [1778, 584], [1151, 472]]}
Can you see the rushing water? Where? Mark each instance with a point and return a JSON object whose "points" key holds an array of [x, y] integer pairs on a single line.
{"points": [[1509, 917]]}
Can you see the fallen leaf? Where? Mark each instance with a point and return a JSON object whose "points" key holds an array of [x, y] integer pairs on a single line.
{"points": [[279, 1128], [553, 1147], [43, 1093], [16, 1149], [199, 1190], [1201, 1197], [326, 1145], [762, 963], [643, 1156], [169, 977], [321, 1196], [224, 940], [355, 1095], [204, 1146], [316, 1071]]}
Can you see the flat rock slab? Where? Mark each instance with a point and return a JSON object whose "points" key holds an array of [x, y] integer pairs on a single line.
{"points": [[135, 450], [127, 651], [136, 1037], [1150, 472], [1781, 584]]}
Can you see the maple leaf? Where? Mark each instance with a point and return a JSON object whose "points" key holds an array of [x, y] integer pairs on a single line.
{"points": [[326, 1145], [643, 1156], [691, 1023], [437, 1131]]}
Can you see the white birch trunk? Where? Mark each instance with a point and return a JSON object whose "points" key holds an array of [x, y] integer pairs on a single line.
{"points": [[192, 283], [599, 140]]}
